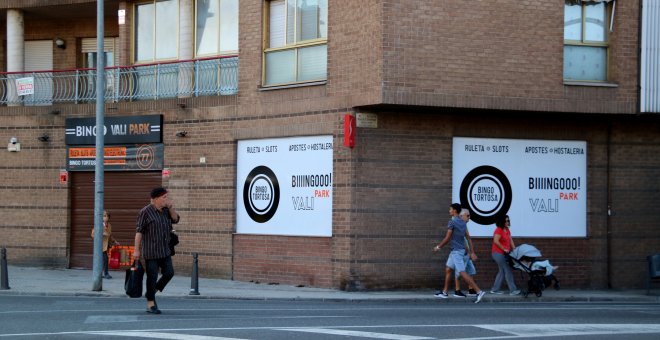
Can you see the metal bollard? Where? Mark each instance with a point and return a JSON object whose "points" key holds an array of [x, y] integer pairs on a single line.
{"points": [[3, 270], [194, 282]]}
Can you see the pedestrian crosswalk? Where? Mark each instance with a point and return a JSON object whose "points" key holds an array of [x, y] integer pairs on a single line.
{"points": [[360, 334], [163, 335], [317, 331], [389, 332]]}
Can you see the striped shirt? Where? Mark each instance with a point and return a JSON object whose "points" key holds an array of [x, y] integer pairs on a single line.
{"points": [[155, 227]]}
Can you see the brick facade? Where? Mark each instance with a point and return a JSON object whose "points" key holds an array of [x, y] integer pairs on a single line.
{"points": [[429, 71]]}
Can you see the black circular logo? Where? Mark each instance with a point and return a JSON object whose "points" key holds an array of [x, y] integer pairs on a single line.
{"points": [[261, 194], [487, 193]]}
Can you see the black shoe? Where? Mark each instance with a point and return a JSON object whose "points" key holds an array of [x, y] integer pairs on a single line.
{"points": [[107, 276], [153, 310]]}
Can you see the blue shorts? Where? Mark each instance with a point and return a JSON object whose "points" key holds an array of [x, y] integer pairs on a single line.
{"points": [[469, 266], [456, 261]]}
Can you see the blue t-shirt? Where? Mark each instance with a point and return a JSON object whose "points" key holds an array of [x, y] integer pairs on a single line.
{"points": [[458, 227]]}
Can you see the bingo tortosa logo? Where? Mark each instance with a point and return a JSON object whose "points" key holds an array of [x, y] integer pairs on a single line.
{"points": [[261, 194], [486, 191]]}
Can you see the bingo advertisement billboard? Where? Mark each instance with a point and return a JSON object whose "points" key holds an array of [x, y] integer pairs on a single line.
{"points": [[540, 184], [284, 186]]}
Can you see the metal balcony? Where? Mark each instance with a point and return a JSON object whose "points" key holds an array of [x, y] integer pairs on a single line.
{"points": [[193, 78]]}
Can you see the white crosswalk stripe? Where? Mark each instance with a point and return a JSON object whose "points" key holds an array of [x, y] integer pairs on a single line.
{"points": [[156, 335], [539, 330], [371, 335]]}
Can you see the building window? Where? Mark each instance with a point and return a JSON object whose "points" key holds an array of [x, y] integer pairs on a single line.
{"points": [[296, 46], [586, 40], [217, 27], [156, 30]]}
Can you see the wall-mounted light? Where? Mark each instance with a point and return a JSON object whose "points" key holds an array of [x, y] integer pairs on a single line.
{"points": [[60, 43], [14, 145], [43, 138], [182, 133], [54, 112], [181, 105]]}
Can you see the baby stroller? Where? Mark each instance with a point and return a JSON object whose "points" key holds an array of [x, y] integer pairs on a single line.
{"points": [[527, 258]]}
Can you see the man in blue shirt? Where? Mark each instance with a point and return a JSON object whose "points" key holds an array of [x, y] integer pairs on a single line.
{"points": [[456, 229]]}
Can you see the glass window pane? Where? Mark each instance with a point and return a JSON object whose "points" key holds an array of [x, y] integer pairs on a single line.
{"points": [[585, 63], [572, 22], [208, 15], [90, 60], [309, 19], [312, 63], [109, 59], [229, 26], [280, 67], [144, 39], [276, 22], [167, 20], [323, 18], [595, 22], [291, 22]]}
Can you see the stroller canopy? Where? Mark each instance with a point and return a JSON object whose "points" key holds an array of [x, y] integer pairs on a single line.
{"points": [[527, 250]]}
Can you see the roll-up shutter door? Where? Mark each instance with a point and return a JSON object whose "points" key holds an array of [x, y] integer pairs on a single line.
{"points": [[39, 57], [650, 57], [125, 193]]}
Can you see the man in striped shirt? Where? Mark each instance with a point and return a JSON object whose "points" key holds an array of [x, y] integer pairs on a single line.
{"points": [[152, 239]]}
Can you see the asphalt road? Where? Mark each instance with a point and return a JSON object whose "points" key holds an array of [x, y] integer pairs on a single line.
{"points": [[25, 317]]}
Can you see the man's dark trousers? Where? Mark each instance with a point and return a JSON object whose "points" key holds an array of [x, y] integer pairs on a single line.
{"points": [[153, 284]]}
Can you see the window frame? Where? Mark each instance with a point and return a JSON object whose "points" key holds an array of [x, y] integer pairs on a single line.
{"points": [[583, 42], [134, 42], [296, 47]]}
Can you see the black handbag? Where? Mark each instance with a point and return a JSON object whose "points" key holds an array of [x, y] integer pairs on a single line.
{"points": [[133, 281], [174, 240]]}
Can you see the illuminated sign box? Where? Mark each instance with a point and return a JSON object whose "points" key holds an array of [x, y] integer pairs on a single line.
{"points": [[117, 158], [117, 130]]}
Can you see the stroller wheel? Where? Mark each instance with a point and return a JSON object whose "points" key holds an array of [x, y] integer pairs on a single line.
{"points": [[538, 294], [525, 293], [557, 285]]}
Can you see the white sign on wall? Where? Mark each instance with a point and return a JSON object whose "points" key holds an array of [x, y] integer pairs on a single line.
{"points": [[284, 186], [540, 184]]}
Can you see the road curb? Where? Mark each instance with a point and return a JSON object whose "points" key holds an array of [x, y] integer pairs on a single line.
{"points": [[487, 299]]}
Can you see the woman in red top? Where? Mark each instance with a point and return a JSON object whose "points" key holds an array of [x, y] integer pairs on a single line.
{"points": [[502, 245]]}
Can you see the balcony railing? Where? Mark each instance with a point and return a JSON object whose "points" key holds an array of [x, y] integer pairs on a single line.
{"points": [[200, 77]]}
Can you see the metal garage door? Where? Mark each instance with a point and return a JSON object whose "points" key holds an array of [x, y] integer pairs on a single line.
{"points": [[39, 57], [126, 192]]}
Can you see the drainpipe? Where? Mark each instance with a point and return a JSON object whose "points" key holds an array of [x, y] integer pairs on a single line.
{"points": [[15, 51]]}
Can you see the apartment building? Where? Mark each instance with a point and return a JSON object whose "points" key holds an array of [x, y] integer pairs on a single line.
{"points": [[320, 142]]}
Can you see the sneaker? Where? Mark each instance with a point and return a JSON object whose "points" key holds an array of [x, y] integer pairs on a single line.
{"points": [[480, 296], [498, 292], [472, 292], [515, 292], [458, 293], [441, 295], [107, 276]]}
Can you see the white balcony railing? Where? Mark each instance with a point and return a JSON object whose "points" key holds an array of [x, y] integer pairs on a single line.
{"points": [[200, 77]]}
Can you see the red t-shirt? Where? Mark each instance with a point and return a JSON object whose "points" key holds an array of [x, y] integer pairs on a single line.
{"points": [[505, 239]]}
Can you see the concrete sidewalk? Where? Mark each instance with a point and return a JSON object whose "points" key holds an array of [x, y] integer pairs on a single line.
{"points": [[73, 282]]}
